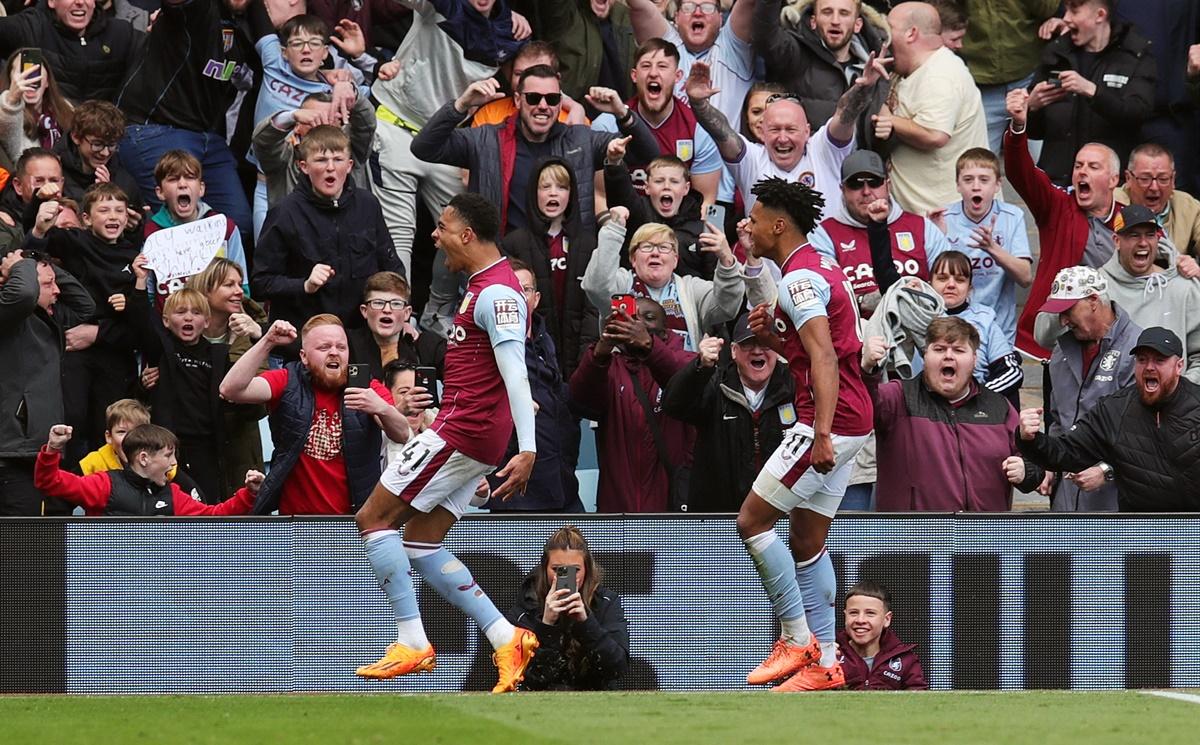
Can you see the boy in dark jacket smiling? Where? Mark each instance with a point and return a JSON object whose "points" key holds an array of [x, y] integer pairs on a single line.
{"points": [[872, 656], [321, 243]]}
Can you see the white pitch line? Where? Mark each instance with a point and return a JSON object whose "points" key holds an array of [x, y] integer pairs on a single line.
{"points": [[1189, 697]]}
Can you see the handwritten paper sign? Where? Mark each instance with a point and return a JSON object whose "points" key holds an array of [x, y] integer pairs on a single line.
{"points": [[184, 250]]}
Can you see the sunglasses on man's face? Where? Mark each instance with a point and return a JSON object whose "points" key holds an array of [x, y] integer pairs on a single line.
{"points": [[535, 99], [858, 182]]}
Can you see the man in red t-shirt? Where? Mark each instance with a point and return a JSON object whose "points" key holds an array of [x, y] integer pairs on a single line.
{"points": [[326, 435]]}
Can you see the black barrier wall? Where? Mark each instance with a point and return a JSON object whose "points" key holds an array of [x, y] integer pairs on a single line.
{"points": [[277, 604]]}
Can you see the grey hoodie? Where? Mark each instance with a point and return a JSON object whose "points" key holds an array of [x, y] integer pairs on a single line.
{"points": [[1162, 298]]}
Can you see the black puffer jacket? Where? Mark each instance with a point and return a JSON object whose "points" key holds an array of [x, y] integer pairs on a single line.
{"points": [[797, 58], [732, 443], [571, 656], [1154, 452], [87, 67], [574, 326], [1125, 74]]}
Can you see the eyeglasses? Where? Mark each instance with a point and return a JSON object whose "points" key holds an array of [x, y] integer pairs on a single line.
{"points": [[855, 183], [782, 97], [378, 304], [313, 44], [1145, 180], [99, 147], [535, 99], [707, 8], [662, 248], [530, 291]]}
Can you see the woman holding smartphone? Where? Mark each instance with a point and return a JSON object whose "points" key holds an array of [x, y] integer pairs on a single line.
{"points": [[33, 112], [581, 626]]}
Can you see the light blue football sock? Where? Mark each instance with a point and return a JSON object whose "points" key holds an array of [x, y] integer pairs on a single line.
{"points": [[453, 581], [818, 585], [778, 574], [385, 551]]}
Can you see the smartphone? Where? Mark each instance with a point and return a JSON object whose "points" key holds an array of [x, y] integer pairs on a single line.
{"points": [[31, 58], [566, 578], [427, 379], [627, 303], [360, 376], [1055, 78], [716, 215]]}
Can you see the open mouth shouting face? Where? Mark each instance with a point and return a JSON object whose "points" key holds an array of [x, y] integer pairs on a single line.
{"points": [[948, 367], [385, 313], [186, 323], [182, 194], [978, 186], [836, 21], [553, 196], [1137, 249], [785, 133], [108, 218], [667, 186], [328, 171], [755, 363], [1094, 177], [698, 24], [326, 354], [1156, 374], [305, 52], [654, 77]]}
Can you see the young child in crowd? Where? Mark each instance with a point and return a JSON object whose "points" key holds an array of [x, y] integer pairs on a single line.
{"points": [[400, 377], [121, 418], [89, 154], [993, 236], [389, 333], [872, 656], [179, 180], [669, 199], [99, 366], [142, 488]]}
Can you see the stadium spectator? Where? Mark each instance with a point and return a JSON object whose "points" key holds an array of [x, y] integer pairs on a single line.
{"points": [[915, 241], [595, 43], [234, 319], [1001, 49], [669, 199], [389, 333], [1150, 182], [190, 70], [400, 378], [954, 21], [87, 154], [179, 184], [1073, 227], [552, 486], [37, 170], [753, 109], [959, 431], [37, 302], [935, 111], [692, 305], [276, 138], [814, 325], [816, 49], [321, 243], [992, 234], [583, 632], [326, 436], [450, 45], [787, 151], [872, 656], [1095, 83], [533, 54], [1143, 432], [99, 367], [1090, 359], [33, 112], [557, 247], [644, 456], [740, 406], [89, 52], [142, 488], [655, 74]]}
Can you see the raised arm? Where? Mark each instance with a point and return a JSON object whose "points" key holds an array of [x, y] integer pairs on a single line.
{"points": [[242, 384], [854, 102], [780, 48], [699, 90], [646, 20]]}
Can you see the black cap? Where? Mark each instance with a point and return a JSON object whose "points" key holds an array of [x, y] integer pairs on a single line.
{"points": [[1133, 215], [1161, 340], [741, 329], [863, 161]]}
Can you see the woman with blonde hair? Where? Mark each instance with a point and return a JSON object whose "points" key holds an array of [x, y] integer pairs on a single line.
{"points": [[580, 623]]}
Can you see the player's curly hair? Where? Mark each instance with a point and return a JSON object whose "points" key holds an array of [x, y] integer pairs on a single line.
{"points": [[800, 203]]}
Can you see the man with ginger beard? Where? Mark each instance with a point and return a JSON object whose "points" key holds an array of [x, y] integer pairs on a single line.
{"points": [[1145, 432], [327, 435], [1074, 227]]}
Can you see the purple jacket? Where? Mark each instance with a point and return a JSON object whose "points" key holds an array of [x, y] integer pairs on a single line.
{"points": [[937, 457], [896, 668], [631, 477]]}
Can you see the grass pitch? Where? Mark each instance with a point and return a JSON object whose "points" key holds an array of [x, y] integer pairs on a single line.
{"points": [[1041, 717]]}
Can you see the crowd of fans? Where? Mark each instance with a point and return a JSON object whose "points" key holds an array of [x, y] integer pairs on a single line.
{"points": [[619, 141]]}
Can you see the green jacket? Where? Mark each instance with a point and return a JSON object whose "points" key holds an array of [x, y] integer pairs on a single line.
{"points": [[575, 31], [1002, 45]]}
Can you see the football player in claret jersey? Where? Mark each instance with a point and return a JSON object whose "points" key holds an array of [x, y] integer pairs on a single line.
{"points": [[428, 487], [815, 326]]}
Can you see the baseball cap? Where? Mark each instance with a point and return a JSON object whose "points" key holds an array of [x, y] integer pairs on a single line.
{"points": [[1133, 215], [1161, 340], [741, 329], [863, 161], [1072, 285]]}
